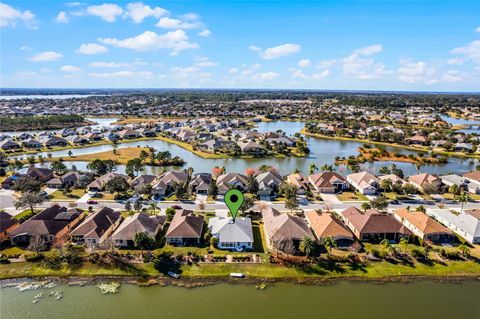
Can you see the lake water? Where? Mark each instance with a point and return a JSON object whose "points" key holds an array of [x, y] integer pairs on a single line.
{"points": [[323, 151], [342, 300], [457, 121]]}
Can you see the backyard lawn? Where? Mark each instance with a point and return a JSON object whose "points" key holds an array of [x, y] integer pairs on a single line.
{"points": [[351, 196], [73, 195]]}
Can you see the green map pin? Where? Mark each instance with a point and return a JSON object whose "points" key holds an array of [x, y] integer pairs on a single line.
{"points": [[234, 199]]}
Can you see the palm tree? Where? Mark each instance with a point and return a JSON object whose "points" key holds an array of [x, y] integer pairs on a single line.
{"points": [[464, 249], [312, 168], [463, 198], [387, 246], [308, 245], [329, 243], [153, 207], [403, 243]]}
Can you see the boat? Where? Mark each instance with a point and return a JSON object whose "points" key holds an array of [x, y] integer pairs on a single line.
{"points": [[173, 275], [237, 275], [261, 286]]}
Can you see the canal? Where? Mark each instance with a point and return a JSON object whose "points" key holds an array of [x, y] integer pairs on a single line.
{"points": [[342, 300]]}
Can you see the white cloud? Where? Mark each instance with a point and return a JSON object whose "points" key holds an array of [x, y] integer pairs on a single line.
{"points": [[276, 52], [477, 29], [455, 61], [205, 33], [324, 64], [170, 23], [25, 48], [46, 56], [91, 49], [9, 16], [265, 76], [415, 72], [137, 11], [233, 71], [321, 75], [176, 41], [73, 4], [452, 76], [105, 65], [303, 63], [122, 74], [361, 65], [106, 11], [70, 68], [62, 17], [204, 62], [470, 52]]}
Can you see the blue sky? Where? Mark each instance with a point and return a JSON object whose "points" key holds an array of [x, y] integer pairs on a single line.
{"points": [[342, 45]]}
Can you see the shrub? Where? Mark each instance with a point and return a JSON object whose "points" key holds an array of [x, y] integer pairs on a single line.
{"points": [[34, 258]]}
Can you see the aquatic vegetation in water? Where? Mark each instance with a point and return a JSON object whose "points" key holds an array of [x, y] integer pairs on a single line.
{"points": [[34, 285], [109, 288]]}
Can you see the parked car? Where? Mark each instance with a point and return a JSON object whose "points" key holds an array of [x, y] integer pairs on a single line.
{"points": [[176, 207], [92, 202]]}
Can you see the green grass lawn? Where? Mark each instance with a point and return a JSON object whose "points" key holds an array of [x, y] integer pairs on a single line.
{"points": [[452, 197], [351, 196], [73, 195], [26, 214]]}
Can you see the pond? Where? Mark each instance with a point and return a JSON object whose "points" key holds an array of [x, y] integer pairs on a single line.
{"points": [[341, 300], [323, 151]]}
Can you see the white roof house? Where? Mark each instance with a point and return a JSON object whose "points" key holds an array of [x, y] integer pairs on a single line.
{"points": [[364, 182], [236, 235], [471, 186], [466, 224]]}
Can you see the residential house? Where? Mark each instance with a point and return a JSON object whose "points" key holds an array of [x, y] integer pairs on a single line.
{"points": [[232, 235], [141, 181], [164, 185], [185, 228], [124, 235], [364, 182], [326, 225], [9, 145], [231, 180], [53, 141], [422, 180], [252, 148], [39, 173], [328, 182], [299, 181], [50, 224], [394, 179], [201, 183], [373, 225], [465, 223], [417, 140], [96, 227], [98, 185], [424, 226], [284, 231], [473, 176], [7, 224], [463, 183], [268, 184], [128, 134], [31, 143], [68, 179]]}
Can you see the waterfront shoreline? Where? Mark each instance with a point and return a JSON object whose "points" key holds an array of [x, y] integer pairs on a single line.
{"points": [[195, 282]]}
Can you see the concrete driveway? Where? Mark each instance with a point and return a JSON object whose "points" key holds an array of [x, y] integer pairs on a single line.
{"points": [[330, 198]]}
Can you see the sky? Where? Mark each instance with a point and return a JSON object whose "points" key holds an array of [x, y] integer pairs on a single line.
{"points": [[326, 45]]}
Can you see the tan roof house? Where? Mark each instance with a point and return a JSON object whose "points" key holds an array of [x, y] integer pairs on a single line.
{"points": [[185, 228], [373, 225], [421, 180], [124, 235], [364, 182], [327, 225], [328, 182], [424, 226], [299, 181], [284, 231]]}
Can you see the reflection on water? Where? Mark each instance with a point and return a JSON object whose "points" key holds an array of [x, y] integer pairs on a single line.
{"points": [[322, 152], [342, 300]]}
